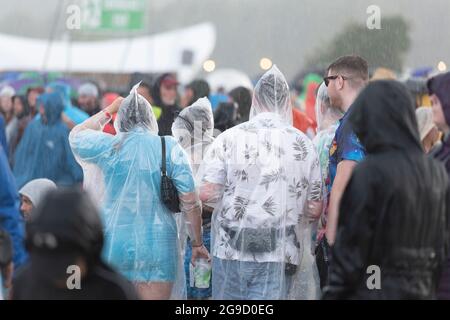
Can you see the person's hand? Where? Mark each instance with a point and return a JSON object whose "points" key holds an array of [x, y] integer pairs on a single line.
{"points": [[314, 209], [114, 107], [198, 253]]}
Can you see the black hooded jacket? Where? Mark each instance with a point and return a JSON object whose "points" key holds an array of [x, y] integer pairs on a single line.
{"points": [[64, 230], [394, 211], [168, 113]]}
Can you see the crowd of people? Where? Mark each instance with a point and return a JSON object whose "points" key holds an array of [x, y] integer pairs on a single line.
{"points": [[286, 196]]}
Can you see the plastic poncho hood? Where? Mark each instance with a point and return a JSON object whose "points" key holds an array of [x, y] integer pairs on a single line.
{"points": [[271, 94], [135, 112], [425, 122], [194, 124], [326, 115]]}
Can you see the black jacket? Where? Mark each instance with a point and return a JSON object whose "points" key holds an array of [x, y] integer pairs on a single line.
{"points": [[394, 211], [101, 283], [168, 113], [64, 230]]}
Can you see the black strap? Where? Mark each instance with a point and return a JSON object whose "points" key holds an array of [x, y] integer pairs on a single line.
{"points": [[163, 157]]}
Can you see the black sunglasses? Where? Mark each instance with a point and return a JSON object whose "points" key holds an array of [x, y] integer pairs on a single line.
{"points": [[326, 80]]}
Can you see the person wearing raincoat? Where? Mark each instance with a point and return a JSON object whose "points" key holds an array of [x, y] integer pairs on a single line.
{"points": [[65, 240], [393, 227], [141, 236], [6, 109], [429, 133], [263, 179], [22, 117], [72, 115], [327, 118], [193, 128], [3, 142], [327, 122], [10, 219], [6, 264], [32, 194], [439, 90], [44, 150]]}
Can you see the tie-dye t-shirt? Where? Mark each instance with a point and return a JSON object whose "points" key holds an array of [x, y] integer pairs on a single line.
{"points": [[345, 146]]}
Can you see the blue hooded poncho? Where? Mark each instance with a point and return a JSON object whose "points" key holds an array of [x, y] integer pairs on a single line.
{"points": [[44, 150], [10, 219], [73, 113], [3, 135]]}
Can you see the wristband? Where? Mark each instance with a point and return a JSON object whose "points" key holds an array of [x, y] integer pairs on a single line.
{"points": [[197, 246]]}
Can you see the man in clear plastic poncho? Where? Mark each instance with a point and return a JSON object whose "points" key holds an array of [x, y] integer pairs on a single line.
{"points": [[141, 236], [193, 128], [263, 179]]}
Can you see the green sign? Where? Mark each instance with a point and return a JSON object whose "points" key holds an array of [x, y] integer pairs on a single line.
{"points": [[113, 15]]}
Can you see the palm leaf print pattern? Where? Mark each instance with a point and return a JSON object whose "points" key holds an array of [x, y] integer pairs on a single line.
{"points": [[241, 175], [226, 146], [250, 153], [229, 188], [297, 187], [240, 206], [224, 212], [272, 177], [300, 146], [316, 191], [272, 148], [269, 206]]}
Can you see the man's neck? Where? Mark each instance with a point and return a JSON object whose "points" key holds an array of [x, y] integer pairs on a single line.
{"points": [[348, 100]]}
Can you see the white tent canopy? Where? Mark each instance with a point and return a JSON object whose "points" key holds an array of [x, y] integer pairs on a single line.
{"points": [[157, 53], [228, 79]]}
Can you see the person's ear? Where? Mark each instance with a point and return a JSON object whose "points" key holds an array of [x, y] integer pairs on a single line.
{"points": [[339, 83]]}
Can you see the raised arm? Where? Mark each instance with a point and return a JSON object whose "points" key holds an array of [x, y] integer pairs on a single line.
{"points": [[98, 121]]}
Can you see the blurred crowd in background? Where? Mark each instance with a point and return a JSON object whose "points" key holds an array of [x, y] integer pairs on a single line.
{"points": [[43, 108]]}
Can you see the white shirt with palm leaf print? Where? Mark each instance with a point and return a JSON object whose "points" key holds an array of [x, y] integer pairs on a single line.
{"points": [[267, 171]]}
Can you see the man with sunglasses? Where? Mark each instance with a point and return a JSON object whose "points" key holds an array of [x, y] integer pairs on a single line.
{"points": [[344, 80]]}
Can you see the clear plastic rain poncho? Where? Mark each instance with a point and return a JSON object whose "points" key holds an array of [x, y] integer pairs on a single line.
{"points": [[327, 118], [260, 177], [193, 128], [425, 121], [123, 175]]}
